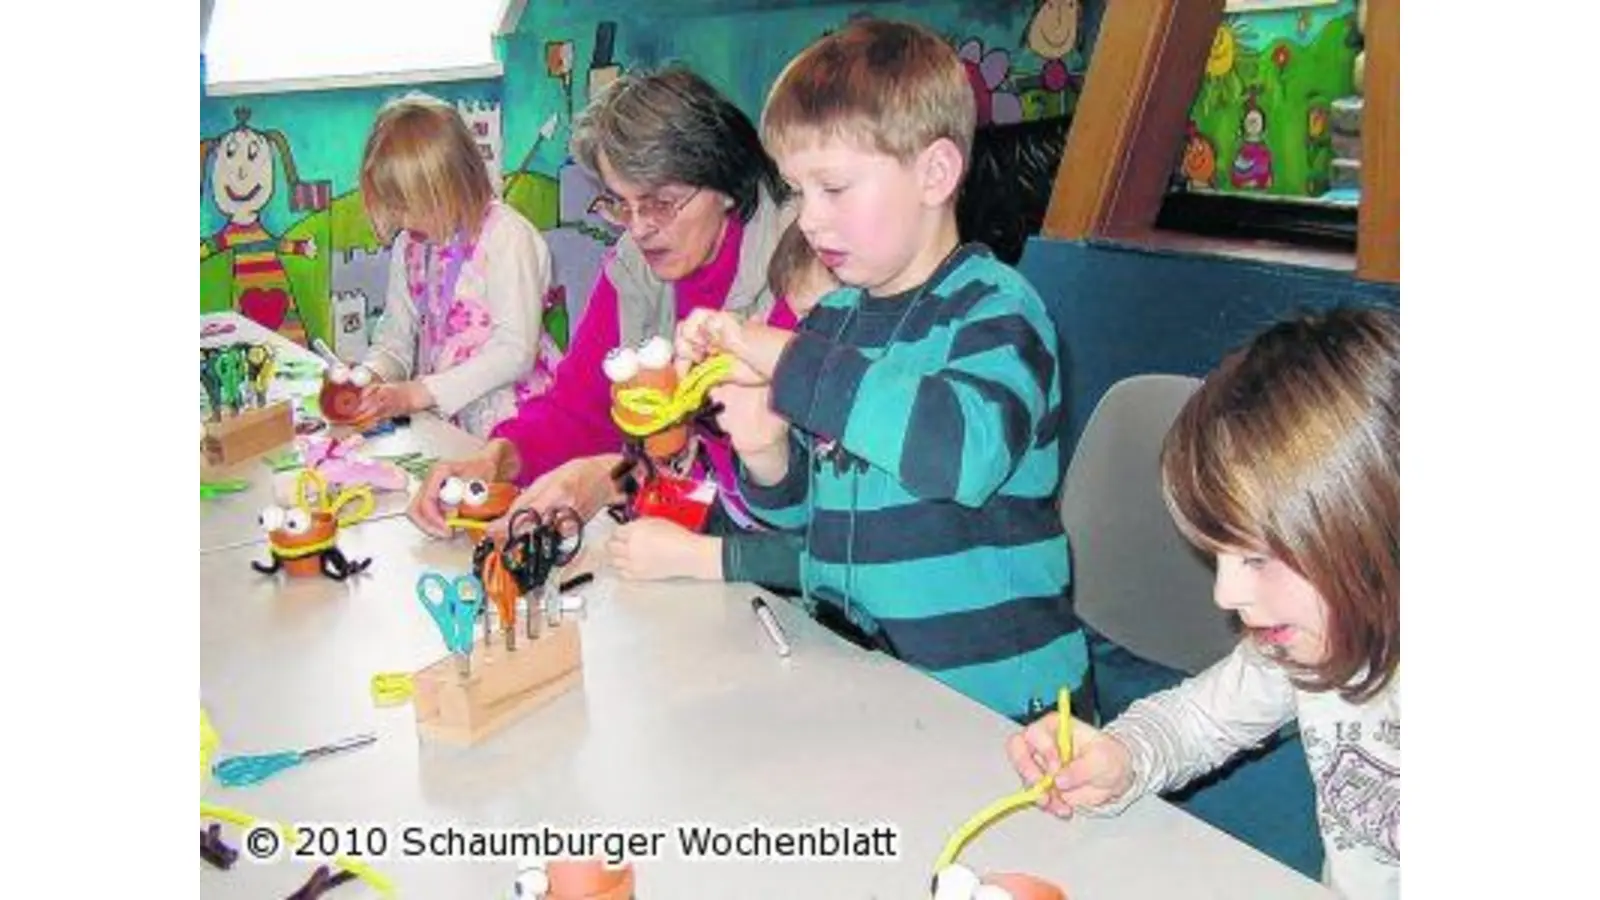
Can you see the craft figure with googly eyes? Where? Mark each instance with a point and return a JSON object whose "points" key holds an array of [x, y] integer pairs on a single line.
{"points": [[571, 879], [957, 882], [340, 397], [661, 448], [470, 504], [302, 539]]}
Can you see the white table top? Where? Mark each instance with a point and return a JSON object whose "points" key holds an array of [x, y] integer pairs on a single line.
{"points": [[685, 714], [230, 520]]}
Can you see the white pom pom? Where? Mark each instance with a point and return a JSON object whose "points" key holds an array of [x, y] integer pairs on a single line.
{"points": [[361, 376], [954, 882], [621, 364], [655, 353], [338, 374]]}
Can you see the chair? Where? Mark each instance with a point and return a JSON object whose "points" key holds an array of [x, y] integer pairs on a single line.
{"points": [[1144, 596]]}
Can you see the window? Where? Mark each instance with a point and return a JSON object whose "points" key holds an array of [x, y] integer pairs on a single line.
{"points": [[276, 45], [1272, 144]]}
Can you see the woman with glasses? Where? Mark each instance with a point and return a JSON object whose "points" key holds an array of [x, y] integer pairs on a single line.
{"points": [[700, 204]]}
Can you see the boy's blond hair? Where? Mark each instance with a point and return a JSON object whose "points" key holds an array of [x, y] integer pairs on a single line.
{"points": [[421, 159], [893, 87]]}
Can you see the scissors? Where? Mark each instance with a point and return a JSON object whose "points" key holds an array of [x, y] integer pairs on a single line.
{"points": [[536, 545], [311, 480], [454, 606], [502, 588], [231, 375], [261, 361], [210, 383], [242, 770]]}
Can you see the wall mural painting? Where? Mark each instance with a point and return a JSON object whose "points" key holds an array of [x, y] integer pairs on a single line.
{"points": [[1272, 115]]}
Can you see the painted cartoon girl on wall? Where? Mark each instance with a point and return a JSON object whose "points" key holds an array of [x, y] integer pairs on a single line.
{"points": [[241, 184], [1252, 165]]}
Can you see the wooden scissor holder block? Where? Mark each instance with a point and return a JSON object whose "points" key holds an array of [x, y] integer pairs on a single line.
{"points": [[503, 685], [247, 434]]}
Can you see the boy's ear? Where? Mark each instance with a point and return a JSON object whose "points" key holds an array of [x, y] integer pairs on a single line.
{"points": [[939, 168]]}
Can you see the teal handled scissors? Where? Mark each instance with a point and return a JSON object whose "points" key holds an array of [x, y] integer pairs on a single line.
{"points": [[454, 605], [238, 771]]}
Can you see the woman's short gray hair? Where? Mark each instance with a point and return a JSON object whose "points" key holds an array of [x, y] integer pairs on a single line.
{"points": [[672, 126]]}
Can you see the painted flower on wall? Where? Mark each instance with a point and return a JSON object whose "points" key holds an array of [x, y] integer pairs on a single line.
{"points": [[1280, 56]]}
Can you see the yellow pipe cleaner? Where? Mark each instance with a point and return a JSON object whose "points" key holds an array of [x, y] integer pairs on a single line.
{"points": [[1003, 807], [660, 411], [379, 882]]}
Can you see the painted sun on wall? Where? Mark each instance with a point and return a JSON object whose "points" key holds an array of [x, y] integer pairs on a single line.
{"points": [[1262, 119]]}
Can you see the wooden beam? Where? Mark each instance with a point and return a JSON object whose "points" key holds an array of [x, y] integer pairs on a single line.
{"points": [[1378, 232], [1129, 123]]}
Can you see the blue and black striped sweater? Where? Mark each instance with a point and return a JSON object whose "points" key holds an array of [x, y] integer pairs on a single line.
{"points": [[924, 462]]}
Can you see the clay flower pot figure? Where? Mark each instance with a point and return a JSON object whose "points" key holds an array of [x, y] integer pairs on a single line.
{"points": [[302, 539]]}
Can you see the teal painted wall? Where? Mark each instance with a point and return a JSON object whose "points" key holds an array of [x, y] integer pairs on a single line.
{"points": [[739, 45], [738, 48]]}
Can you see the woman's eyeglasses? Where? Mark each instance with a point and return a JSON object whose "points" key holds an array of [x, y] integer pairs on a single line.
{"points": [[654, 212]]}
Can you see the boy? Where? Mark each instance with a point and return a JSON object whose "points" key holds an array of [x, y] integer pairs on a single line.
{"points": [[922, 461]]}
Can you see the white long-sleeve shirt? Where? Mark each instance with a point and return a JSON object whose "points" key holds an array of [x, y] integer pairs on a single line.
{"points": [[1353, 750], [514, 263]]}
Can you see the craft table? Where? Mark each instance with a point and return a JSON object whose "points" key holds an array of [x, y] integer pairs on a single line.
{"points": [[685, 715], [231, 520]]}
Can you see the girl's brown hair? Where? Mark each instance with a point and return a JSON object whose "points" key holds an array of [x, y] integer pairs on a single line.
{"points": [[421, 160], [1292, 448]]}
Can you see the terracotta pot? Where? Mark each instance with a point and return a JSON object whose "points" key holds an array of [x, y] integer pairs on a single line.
{"points": [[501, 493], [588, 879], [666, 444], [323, 528], [1025, 887], [339, 401]]}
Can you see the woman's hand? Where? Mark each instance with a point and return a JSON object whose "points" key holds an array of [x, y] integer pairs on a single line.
{"points": [[425, 508], [583, 484]]}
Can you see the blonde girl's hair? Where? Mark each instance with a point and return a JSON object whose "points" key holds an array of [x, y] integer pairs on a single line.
{"points": [[421, 163]]}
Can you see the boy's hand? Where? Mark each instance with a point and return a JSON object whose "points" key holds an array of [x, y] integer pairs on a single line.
{"points": [[1101, 769], [748, 418], [755, 346], [652, 548]]}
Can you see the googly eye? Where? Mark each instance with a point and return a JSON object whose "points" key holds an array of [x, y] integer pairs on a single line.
{"points": [[297, 521], [954, 882], [271, 518], [477, 492], [655, 353], [621, 364], [452, 491], [360, 376], [338, 374]]}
